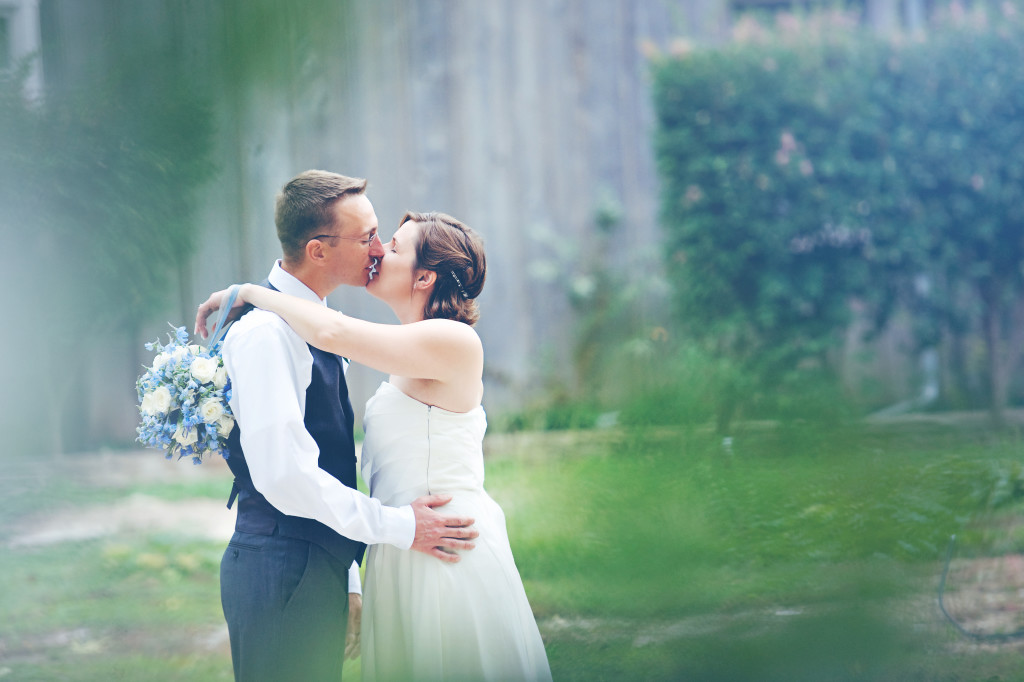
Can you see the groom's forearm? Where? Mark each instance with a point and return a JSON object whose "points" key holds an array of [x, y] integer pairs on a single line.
{"points": [[299, 489]]}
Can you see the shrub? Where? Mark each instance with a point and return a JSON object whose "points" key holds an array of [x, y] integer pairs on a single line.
{"points": [[802, 174]]}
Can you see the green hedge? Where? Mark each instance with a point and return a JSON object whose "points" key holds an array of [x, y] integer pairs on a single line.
{"points": [[802, 175]]}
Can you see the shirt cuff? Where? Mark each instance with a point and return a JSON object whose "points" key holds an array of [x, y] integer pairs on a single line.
{"points": [[355, 585], [399, 526]]}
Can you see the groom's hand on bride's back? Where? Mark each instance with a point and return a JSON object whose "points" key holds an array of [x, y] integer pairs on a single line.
{"points": [[440, 534]]}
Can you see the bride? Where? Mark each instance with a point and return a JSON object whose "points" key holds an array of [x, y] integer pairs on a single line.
{"points": [[424, 619]]}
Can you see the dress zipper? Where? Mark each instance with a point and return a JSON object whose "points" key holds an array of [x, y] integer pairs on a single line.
{"points": [[429, 408]]}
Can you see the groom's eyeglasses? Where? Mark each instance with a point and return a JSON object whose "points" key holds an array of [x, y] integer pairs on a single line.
{"points": [[367, 242]]}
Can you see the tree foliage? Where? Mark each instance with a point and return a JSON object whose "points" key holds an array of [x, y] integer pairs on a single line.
{"points": [[99, 190], [102, 175], [102, 190]]}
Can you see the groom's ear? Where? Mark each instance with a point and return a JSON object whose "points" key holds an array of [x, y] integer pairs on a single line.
{"points": [[315, 250]]}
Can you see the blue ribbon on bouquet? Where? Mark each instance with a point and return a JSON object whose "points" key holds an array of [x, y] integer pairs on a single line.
{"points": [[225, 309]]}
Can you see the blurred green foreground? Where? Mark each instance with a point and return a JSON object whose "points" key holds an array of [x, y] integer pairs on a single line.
{"points": [[791, 553]]}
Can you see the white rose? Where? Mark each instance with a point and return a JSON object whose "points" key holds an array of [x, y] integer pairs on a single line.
{"points": [[224, 426], [220, 377], [160, 360], [179, 353], [147, 404], [211, 410], [186, 437], [204, 369], [160, 401], [195, 348]]}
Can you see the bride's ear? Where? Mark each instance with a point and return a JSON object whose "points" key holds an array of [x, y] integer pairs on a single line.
{"points": [[424, 279]]}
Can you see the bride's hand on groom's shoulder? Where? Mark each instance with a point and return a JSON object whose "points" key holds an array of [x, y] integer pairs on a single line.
{"points": [[212, 305], [439, 535]]}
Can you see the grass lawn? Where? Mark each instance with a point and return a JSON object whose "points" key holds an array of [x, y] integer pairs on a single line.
{"points": [[800, 553]]}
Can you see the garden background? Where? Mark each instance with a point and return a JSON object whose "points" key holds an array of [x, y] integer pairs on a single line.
{"points": [[753, 321]]}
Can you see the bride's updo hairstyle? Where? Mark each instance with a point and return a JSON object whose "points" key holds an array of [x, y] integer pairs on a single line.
{"points": [[455, 252]]}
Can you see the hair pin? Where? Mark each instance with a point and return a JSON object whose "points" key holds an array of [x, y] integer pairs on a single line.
{"points": [[462, 290]]}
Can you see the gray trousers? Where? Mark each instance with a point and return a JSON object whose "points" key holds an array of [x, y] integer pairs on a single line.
{"points": [[286, 604]]}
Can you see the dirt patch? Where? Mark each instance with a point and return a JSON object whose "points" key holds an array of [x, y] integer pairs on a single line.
{"points": [[985, 595], [134, 513], [137, 513], [97, 642]]}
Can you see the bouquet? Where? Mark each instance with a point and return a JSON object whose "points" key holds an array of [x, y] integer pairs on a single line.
{"points": [[183, 399]]}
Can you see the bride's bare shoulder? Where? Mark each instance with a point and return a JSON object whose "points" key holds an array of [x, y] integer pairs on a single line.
{"points": [[456, 332]]}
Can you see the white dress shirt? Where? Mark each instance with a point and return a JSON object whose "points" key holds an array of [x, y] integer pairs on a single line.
{"points": [[270, 368]]}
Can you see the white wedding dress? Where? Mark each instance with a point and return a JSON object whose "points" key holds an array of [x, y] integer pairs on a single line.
{"points": [[425, 619]]}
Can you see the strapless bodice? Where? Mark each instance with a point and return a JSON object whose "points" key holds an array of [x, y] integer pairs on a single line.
{"points": [[412, 449]]}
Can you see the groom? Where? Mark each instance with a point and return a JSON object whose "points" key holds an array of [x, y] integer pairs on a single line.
{"points": [[290, 573]]}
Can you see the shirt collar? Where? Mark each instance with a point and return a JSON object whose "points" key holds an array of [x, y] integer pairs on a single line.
{"points": [[287, 283]]}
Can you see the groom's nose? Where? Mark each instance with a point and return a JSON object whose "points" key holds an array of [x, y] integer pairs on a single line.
{"points": [[376, 247]]}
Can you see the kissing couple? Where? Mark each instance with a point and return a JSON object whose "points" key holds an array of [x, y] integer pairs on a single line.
{"points": [[454, 608]]}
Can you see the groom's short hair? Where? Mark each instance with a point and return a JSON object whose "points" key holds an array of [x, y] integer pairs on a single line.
{"points": [[303, 207]]}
